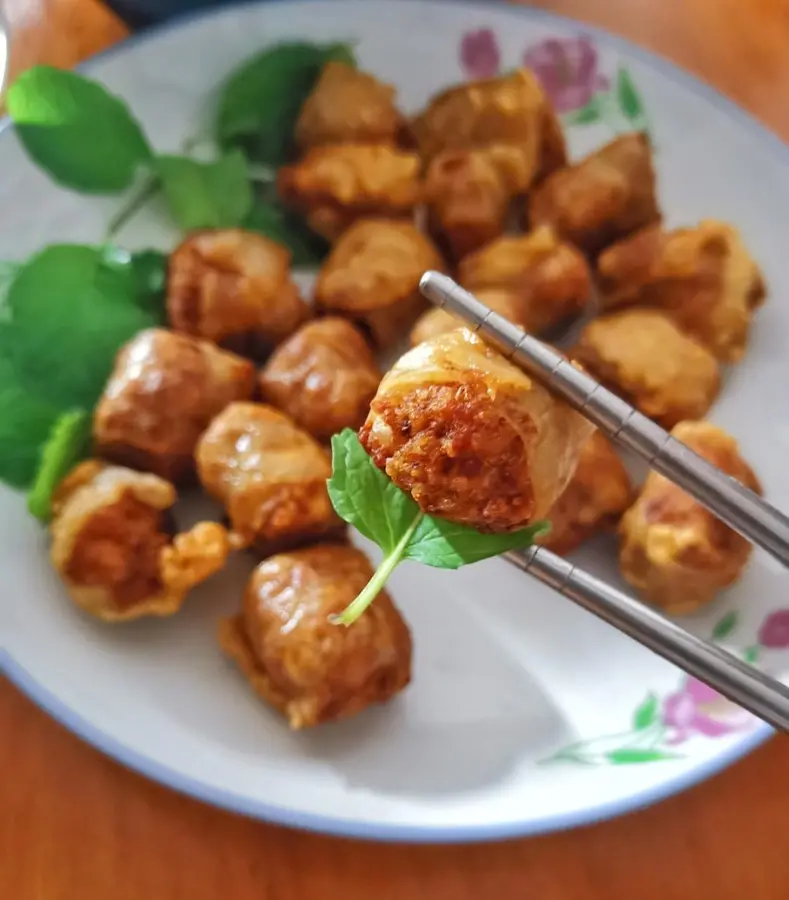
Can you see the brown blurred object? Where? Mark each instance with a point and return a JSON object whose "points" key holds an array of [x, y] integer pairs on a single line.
{"points": [[75, 824]]}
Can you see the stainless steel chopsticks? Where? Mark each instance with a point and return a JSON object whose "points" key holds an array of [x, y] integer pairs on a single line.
{"points": [[738, 507], [734, 504]]}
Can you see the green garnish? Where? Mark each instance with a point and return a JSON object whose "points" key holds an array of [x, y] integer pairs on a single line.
{"points": [[364, 497], [65, 446]]}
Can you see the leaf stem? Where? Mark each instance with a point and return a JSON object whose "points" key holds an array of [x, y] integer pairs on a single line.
{"points": [[146, 190], [374, 586]]}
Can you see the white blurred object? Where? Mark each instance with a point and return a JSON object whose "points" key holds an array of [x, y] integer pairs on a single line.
{"points": [[3, 53]]}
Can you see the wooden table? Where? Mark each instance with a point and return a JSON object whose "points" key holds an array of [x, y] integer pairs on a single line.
{"points": [[75, 826]]}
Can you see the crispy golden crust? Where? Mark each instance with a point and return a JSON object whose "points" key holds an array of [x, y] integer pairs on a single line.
{"points": [[506, 113], [309, 669], [553, 154], [233, 287], [702, 277], [603, 198], [550, 278], [438, 321], [340, 184], [372, 276], [113, 550], [641, 355], [270, 475], [323, 377], [470, 437], [597, 495], [673, 551], [346, 106], [164, 390]]}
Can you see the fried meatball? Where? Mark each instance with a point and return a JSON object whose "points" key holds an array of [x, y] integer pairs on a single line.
{"points": [[641, 355], [323, 377], [113, 550], [269, 475], [553, 153], [597, 495], [348, 106], [372, 276], [337, 185], [439, 321], [471, 437], [506, 113], [233, 287], [550, 277], [603, 198], [702, 277], [164, 390], [467, 200], [675, 553], [307, 668]]}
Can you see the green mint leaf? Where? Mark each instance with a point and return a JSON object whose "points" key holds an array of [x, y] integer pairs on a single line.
{"points": [[66, 444], [630, 755], [8, 272], [25, 423], [83, 136], [586, 115], [72, 308], [445, 545], [148, 270], [269, 218], [260, 102], [724, 627], [206, 195], [647, 713], [627, 96]]}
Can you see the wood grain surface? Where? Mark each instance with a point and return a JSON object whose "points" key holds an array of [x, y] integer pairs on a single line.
{"points": [[76, 826]]}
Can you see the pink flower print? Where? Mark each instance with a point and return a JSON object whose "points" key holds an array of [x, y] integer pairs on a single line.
{"points": [[567, 70], [697, 709], [774, 632], [479, 54]]}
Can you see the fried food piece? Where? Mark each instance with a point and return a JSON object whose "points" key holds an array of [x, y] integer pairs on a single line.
{"points": [[323, 377], [702, 277], [337, 185], [233, 287], [470, 437], [348, 106], [372, 276], [506, 114], [597, 495], [269, 475], [550, 277], [439, 321], [112, 548], [675, 553], [641, 355], [467, 200], [306, 667], [553, 154], [164, 390], [603, 198]]}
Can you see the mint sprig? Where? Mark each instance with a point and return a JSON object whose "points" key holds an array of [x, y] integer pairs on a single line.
{"points": [[364, 497], [65, 446]]}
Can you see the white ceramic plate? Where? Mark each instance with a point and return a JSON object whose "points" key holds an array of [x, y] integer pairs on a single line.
{"points": [[525, 714]]}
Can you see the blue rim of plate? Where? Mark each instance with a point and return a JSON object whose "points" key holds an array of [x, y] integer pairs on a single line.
{"points": [[338, 827]]}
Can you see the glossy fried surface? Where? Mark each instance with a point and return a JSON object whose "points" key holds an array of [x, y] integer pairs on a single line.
{"points": [[506, 112], [550, 277], [234, 288], [164, 390], [346, 106], [641, 355], [306, 667], [597, 495], [673, 551], [340, 184], [112, 548], [372, 276], [470, 437], [438, 321], [269, 475], [323, 377], [703, 277], [605, 197]]}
